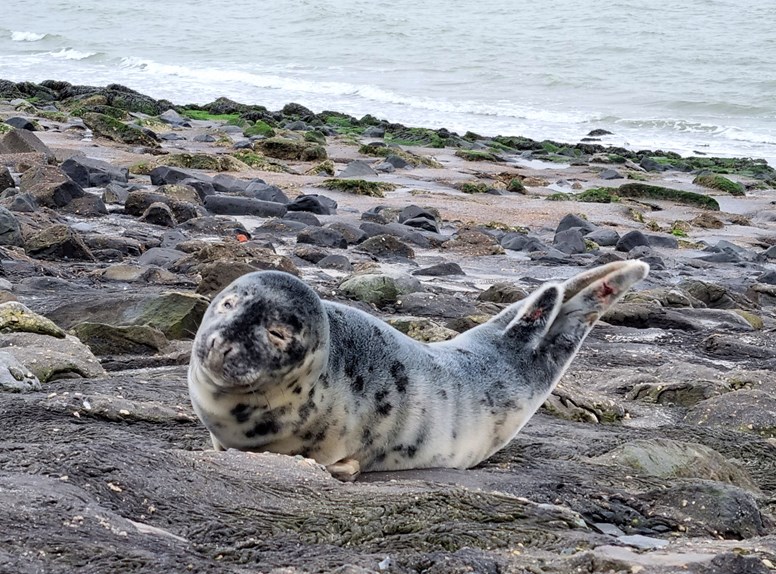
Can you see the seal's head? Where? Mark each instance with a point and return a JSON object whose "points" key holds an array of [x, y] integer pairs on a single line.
{"points": [[263, 329]]}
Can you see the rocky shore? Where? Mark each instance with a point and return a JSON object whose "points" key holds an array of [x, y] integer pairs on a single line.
{"points": [[121, 216]]}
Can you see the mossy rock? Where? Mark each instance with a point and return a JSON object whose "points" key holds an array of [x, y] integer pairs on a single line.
{"points": [[411, 158], [105, 126], [415, 137], [116, 113], [559, 197], [177, 315], [105, 339], [422, 329], [258, 161], [291, 149], [516, 185], [53, 116], [598, 195], [343, 123], [314, 136], [477, 155], [5, 128], [378, 288], [721, 183], [324, 168], [645, 191], [754, 320], [208, 162], [16, 317], [474, 188], [260, 128], [204, 115], [359, 186]]}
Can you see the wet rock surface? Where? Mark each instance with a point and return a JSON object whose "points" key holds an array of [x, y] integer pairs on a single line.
{"points": [[654, 454]]}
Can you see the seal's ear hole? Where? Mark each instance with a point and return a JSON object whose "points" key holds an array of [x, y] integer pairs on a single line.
{"points": [[227, 303]]}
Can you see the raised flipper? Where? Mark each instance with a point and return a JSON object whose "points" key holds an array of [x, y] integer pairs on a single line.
{"points": [[587, 297]]}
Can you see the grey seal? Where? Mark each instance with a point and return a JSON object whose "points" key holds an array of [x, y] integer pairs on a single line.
{"points": [[275, 368]]}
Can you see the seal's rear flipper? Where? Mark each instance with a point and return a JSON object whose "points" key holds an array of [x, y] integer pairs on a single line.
{"points": [[537, 314], [596, 292], [346, 470]]}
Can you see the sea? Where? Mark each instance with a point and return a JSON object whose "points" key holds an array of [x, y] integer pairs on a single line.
{"points": [[694, 76]]}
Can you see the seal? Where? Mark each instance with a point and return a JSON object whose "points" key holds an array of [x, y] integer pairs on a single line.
{"points": [[275, 368]]}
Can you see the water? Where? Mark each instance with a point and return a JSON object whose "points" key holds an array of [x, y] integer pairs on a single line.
{"points": [[697, 75]]}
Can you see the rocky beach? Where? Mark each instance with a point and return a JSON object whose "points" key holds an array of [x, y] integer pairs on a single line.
{"points": [[121, 216]]}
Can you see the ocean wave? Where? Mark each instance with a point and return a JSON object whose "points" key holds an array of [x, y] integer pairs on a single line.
{"points": [[71, 54], [26, 36]]}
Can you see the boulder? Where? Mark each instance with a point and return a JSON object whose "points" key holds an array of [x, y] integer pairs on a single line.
{"points": [[291, 149], [56, 243], [87, 206], [103, 125], [219, 274], [228, 205], [386, 247], [15, 377], [322, 237], [105, 339], [440, 270], [181, 192], [260, 190], [20, 123], [303, 217], [603, 237], [357, 168], [138, 201], [6, 179], [174, 119], [314, 203], [570, 241], [23, 141], [89, 172], [379, 289], [353, 235], [632, 239], [503, 293], [10, 231], [337, 262], [571, 221], [50, 358], [159, 213], [49, 186], [167, 174], [17, 318], [435, 305]]}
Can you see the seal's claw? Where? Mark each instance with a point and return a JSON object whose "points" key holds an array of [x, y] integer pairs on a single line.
{"points": [[346, 470]]}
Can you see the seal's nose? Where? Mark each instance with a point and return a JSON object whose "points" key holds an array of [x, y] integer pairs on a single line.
{"points": [[217, 349]]}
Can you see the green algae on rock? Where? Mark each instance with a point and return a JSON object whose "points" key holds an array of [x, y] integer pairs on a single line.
{"points": [[359, 186], [204, 161], [291, 149], [666, 193], [16, 317], [113, 129], [721, 183]]}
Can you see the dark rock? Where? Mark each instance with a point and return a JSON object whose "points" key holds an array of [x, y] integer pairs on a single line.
{"points": [[357, 168], [297, 126], [384, 167], [58, 242], [50, 186], [303, 217], [522, 242], [397, 161], [769, 277], [598, 132], [322, 237], [413, 211], [397, 230], [103, 125], [165, 174], [6, 179], [20, 123], [105, 339], [733, 348], [219, 274], [435, 305], [571, 221], [664, 241], [180, 192], [422, 223], [280, 227], [569, 241], [24, 141], [610, 174], [374, 132], [214, 225], [314, 203], [387, 247], [379, 289], [440, 270], [630, 240], [172, 136], [309, 253], [227, 205], [138, 201], [160, 257], [123, 245], [503, 293], [115, 194], [203, 188], [174, 119], [353, 235], [171, 239], [642, 316], [260, 190], [87, 206], [711, 294], [23, 203], [650, 164], [89, 172], [338, 262], [604, 237], [10, 231], [159, 213], [225, 183]]}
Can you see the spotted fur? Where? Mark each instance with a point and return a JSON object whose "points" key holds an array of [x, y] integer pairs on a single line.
{"points": [[275, 368]]}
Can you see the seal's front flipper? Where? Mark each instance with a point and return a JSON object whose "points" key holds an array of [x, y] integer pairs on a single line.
{"points": [[536, 316], [346, 470]]}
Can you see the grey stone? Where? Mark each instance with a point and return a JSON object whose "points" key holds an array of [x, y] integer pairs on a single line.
{"points": [[228, 205], [160, 256], [570, 221], [440, 270], [632, 239], [303, 217], [10, 231], [374, 132], [90, 172], [604, 237], [15, 377], [174, 119], [260, 190], [610, 174], [569, 241], [314, 203], [20, 123], [338, 262], [159, 213], [357, 168], [322, 237], [24, 141]]}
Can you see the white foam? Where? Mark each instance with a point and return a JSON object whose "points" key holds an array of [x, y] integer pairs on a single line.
{"points": [[71, 54], [26, 36]]}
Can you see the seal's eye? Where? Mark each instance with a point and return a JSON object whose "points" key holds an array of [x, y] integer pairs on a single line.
{"points": [[279, 336]]}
